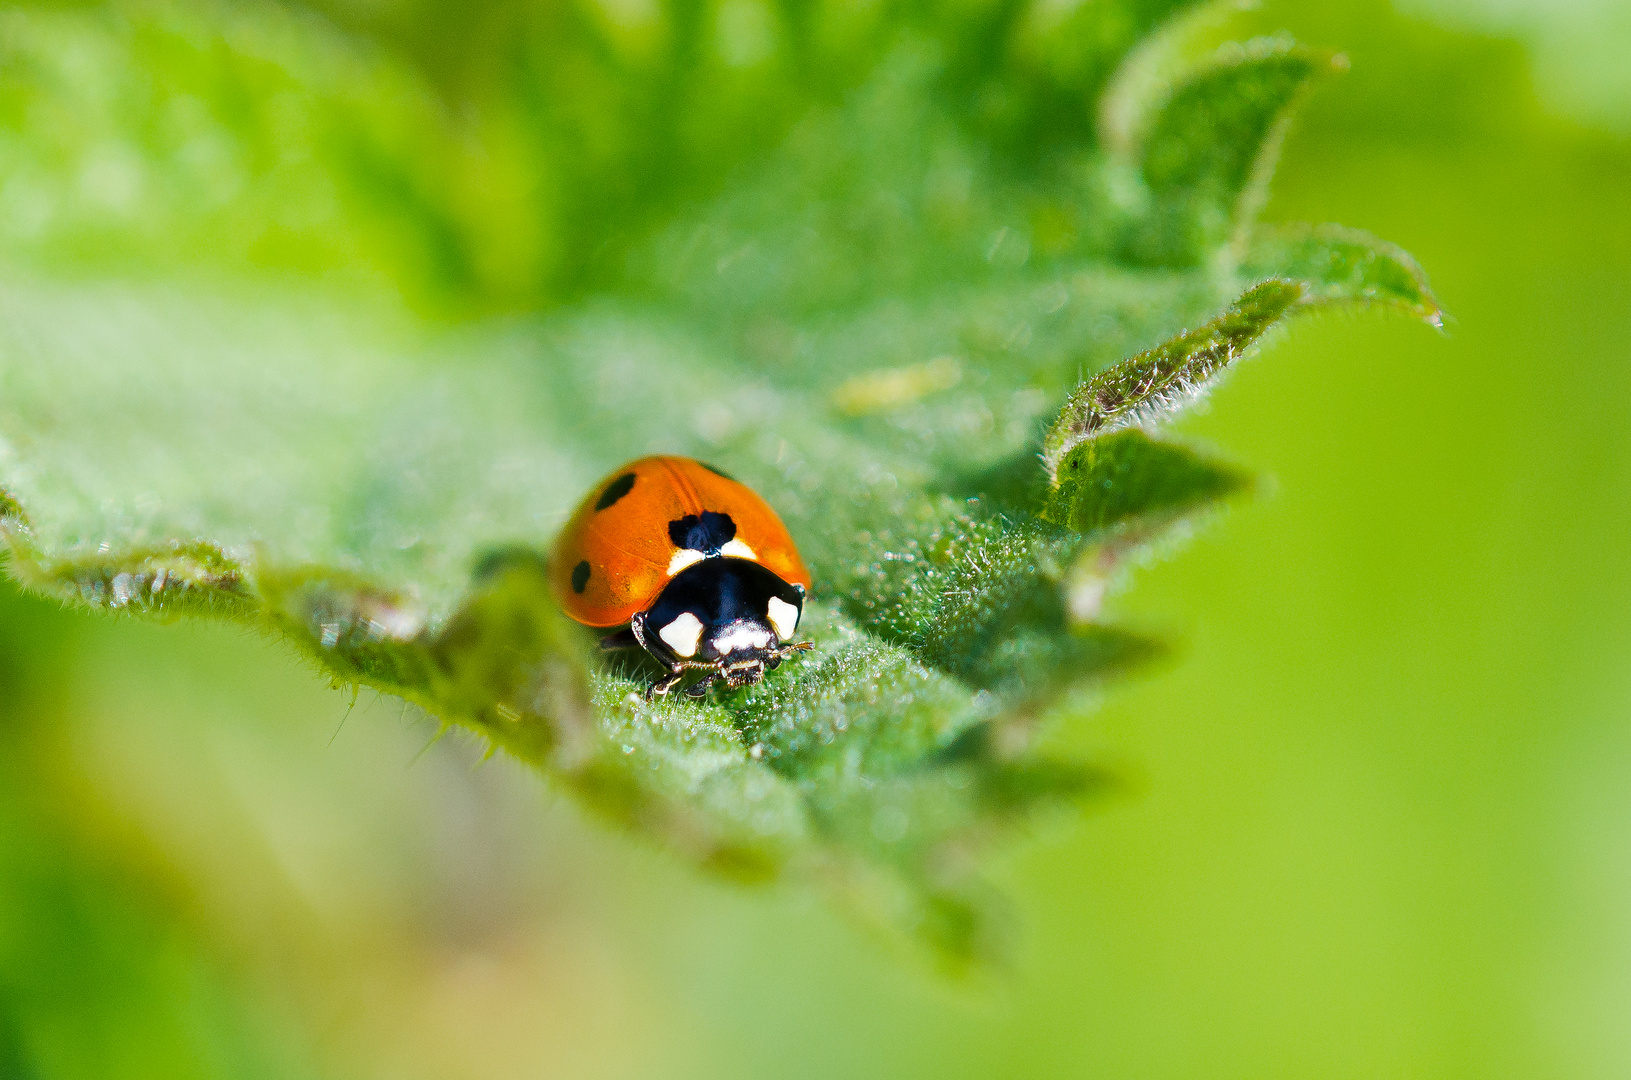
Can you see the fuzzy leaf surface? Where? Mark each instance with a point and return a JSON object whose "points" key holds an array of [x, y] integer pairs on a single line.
{"points": [[318, 329], [1150, 387]]}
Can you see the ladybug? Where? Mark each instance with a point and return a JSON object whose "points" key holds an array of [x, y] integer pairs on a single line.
{"points": [[698, 565]]}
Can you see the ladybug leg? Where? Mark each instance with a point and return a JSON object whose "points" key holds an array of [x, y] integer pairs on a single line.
{"points": [[700, 687], [665, 684], [637, 630], [623, 639]]}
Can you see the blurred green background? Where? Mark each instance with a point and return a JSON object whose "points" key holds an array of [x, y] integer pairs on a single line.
{"points": [[1382, 825]]}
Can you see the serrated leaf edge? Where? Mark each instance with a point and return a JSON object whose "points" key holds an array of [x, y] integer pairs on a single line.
{"points": [[1153, 385]]}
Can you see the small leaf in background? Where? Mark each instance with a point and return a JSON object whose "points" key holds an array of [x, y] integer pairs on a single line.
{"points": [[1211, 150], [323, 327], [1342, 266]]}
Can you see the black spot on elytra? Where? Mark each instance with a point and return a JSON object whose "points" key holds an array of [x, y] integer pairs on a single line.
{"points": [[580, 577], [719, 472], [615, 491], [707, 533]]}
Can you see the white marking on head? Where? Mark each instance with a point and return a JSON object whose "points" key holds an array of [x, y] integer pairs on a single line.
{"points": [[682, 558], [683, 634], [784, 617], [738, 549], [742, 635]]}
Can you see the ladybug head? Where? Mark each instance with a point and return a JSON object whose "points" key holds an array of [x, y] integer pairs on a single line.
{"points": [[727, 616]]}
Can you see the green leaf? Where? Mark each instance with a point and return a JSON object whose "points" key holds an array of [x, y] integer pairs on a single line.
{"points": [[1129, 481], [1208, 156], [175, 137], [326, 331], [1340, 265], [1154, 384]]}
